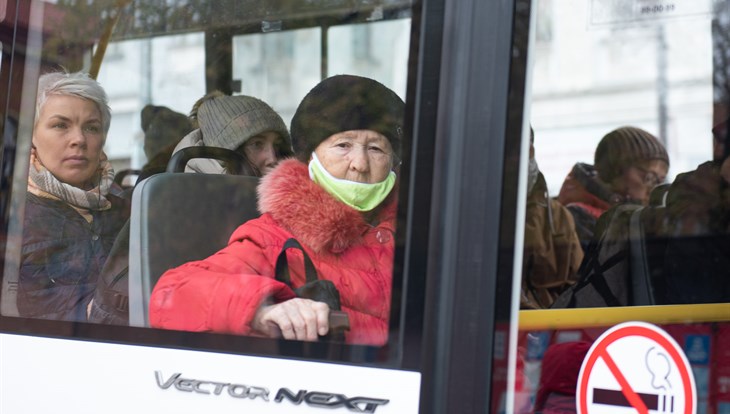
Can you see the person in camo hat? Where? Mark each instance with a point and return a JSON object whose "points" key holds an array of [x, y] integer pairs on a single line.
{"points": [[628, 163], [240, 123], [338, 199]]}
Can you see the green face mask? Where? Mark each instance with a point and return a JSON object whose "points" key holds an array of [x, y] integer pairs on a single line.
{"points": [[360, 196]]}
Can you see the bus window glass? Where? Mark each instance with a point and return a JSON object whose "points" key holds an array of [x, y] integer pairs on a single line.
{"points": [[278, 67], [355, 49], [226, 80], [164, 71], [627, 188]]}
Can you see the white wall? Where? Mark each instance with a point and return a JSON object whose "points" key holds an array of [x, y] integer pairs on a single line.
{"points": [[589, 79]]}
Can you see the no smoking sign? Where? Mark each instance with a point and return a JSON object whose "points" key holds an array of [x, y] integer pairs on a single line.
{"points": [[636, 367]]}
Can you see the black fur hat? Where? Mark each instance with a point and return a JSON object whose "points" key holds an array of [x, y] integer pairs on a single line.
{"points": [[345, 103], [162, 128]]}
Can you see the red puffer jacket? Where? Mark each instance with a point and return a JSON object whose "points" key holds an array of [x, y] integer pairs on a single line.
{"points": [[223, 292]]}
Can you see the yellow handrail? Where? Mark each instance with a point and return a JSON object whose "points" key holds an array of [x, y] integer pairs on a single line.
{"points": [[105, 37], [548, 319]]}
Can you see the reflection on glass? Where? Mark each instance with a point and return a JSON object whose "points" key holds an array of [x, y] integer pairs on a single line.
{"points": [[357, 49], [161, 81], [629, 108], [278, 68], [618, 105], [162, 71], [589, 80]]}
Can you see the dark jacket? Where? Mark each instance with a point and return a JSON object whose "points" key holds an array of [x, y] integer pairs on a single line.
{"points": [[62, 256], [587, 197], [111, 298], [697, 259]]}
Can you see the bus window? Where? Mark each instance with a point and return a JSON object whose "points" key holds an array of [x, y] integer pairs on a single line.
{"points": [[273, 57], [278, 67], [297, 54], [626, 202], [154, 73], [363, 57]]}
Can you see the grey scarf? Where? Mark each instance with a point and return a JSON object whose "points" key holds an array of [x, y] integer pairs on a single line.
{"points": [[40, 178]]}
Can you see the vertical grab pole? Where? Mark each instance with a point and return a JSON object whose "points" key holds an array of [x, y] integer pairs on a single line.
{"points": [[324, 56], [104, 39]]}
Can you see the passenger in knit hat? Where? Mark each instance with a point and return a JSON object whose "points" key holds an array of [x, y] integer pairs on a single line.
{"points": [[346, 103], [239, 123], [628, 164], [631, 162], [624, 147]]}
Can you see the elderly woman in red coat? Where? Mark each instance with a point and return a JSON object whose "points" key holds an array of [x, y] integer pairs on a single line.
{"points": [[336, 199]]}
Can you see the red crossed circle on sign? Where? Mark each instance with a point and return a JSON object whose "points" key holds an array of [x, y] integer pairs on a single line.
{"points": [[599, 350]]}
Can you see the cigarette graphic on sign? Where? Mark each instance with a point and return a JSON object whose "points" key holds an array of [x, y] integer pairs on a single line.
{"points": [[659, 366], [635, 367]]}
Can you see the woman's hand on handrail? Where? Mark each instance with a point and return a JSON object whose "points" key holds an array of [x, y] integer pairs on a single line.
{"points": [[295, 319]]}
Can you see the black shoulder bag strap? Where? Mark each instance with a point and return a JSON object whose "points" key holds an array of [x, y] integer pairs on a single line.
{"points": [[595, 271], [319, 290], [282, 264]]}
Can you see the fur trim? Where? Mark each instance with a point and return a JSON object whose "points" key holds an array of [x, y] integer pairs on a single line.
{"points": [[312, 215]]}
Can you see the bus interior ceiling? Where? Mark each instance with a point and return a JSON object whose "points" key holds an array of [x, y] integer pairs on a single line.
{"points": [[84, 23]]}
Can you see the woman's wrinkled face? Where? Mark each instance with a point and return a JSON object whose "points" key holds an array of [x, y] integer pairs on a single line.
{"points": [[639, 179], [68, 139], [262, 150], [362, 156]]}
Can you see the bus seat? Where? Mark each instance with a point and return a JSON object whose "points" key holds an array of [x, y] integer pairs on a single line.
{"points": [[647, 246], [177, 218], [123, 177], [623, 266], [642, 287], [236, 163]]}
